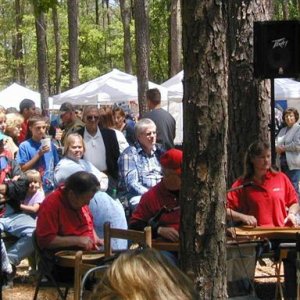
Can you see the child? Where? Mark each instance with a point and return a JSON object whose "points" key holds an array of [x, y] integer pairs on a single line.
{"points": [[35, 194], [33, 155]]}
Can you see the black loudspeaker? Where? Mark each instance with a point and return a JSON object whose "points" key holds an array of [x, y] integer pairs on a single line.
{"points": [[276, 49]]}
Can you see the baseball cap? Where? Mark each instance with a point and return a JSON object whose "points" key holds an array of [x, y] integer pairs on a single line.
{"points": [[66, 107], [172, 159]]}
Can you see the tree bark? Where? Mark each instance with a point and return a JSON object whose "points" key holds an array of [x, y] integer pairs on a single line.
{"points": [[175, 38], [202, 229], [41, 30], [285, 9], [142, 51], [73, 42], [249, 98], [58, 57], [18, 49], [125, 7]]}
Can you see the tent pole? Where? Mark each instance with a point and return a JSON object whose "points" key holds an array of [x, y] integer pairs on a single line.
{"points": [[272, 125]]}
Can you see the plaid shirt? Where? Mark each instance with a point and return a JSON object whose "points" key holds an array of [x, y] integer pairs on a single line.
{"points": [[138, 171]]}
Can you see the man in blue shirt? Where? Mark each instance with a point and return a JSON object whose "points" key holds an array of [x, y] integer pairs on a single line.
{"points": [[139, 166]]}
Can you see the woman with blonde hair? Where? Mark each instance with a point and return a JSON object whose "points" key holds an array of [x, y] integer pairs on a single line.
{"points": [[144, 275]]}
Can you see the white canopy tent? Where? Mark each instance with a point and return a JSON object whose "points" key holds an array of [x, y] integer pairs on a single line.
{"points": [[175, 94], [15, 93], [113, 87]]}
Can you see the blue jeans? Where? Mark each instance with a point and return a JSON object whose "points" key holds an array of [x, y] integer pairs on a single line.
{"points": [[21, 226], [294, 176]]}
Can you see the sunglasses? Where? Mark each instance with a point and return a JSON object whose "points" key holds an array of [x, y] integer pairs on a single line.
{"points": [[91, 118]]}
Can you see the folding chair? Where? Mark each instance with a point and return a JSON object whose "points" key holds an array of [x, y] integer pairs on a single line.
{"points": [[45, 268], [83, 269]]}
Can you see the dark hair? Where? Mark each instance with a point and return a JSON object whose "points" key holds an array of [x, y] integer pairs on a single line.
{"points": [[153, 95], [26, 103], [106, 119], [37, 118], [254, 150], [82, 182], [119, 109], [290, 110]]}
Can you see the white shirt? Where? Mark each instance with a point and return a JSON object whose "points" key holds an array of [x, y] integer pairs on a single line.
{"points": [[95, 150]]}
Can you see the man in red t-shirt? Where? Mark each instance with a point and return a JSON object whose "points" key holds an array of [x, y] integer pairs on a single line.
{"points": [[159, 207], [64, 219]]}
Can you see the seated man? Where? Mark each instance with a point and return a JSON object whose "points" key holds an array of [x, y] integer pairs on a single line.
{"points": [[268, 199], [64, 219], [139, 167], [159, 207]]}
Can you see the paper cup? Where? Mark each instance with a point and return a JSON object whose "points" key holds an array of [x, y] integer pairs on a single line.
{"points": [[46, 142]]}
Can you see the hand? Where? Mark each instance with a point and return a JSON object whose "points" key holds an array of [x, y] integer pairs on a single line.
{"points": [[168, 233], [99, 242], [279, 149], [249, 220], [290, 220], [85, 242], [58, 134], [15, 178], [43, 150]]}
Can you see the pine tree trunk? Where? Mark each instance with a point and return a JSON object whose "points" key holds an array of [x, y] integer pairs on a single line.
{"points": [[18, 48], [73, 42], [126, 17], [175, 38], [249, 98], [58, 57], [41, 30], [203, 252], [142, 51]]}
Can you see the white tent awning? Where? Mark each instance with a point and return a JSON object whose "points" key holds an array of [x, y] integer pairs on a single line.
{"points": [[113, 87]]}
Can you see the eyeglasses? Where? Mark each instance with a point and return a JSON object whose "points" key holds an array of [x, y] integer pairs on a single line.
{"points": [[91, 118]]}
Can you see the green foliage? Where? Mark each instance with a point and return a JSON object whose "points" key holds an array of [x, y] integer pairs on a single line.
{"points": [[100, 47], [159, 37]]}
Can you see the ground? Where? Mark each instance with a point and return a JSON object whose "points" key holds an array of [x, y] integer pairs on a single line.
{"points": [[24, 288]]}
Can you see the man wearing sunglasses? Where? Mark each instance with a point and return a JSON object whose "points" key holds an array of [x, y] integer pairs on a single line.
{"points": [[71, 123], [101, 146]]}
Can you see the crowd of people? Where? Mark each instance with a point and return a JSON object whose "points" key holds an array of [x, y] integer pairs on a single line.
{"points": [[64, 181]]}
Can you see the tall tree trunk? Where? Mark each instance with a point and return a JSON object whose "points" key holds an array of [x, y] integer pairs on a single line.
{"points": [[142, 51], [97, 12], [202, 230], [58, 57], [18, 49], [40, 26], [285, 9], [73, 42], [249, 103], [125, 7], [175, 38]]}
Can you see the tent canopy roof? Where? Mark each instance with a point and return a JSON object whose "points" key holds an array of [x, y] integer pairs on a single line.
{"points": [[15, 93], [115, 86]]}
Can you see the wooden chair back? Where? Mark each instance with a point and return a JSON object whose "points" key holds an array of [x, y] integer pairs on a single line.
{"points": [[143, 238]]}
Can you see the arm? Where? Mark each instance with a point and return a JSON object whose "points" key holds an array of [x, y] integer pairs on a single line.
{"points": [[83, 242], [32, 209], [129, 174], [291, 217], [239, 217], [31, 162]]}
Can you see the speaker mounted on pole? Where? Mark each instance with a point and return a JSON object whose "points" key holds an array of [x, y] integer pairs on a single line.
{"points": [[276, 49]]}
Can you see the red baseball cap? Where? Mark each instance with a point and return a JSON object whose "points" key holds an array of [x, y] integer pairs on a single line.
{"points": [[172, 159]]}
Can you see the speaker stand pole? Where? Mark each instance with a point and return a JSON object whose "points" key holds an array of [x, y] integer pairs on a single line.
{"points": [[272, 127]]}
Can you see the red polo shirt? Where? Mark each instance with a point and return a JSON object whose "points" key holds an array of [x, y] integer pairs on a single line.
{"points": [[57, 217], [267, 202], [23, 133]]}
